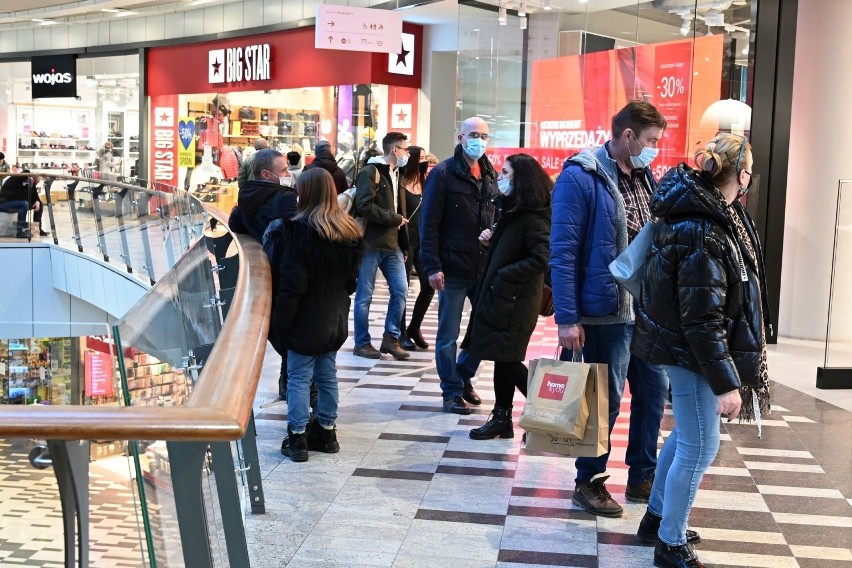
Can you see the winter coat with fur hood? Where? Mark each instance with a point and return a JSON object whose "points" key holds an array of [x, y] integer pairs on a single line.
{"points": [[315, 279], [701, 305]]}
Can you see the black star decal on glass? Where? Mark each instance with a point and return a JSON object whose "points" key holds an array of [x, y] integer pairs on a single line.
{"points": [[216, 66], [400, 57]]}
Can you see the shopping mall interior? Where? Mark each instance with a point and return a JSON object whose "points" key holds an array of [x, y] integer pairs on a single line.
{"points": [[141, 423]]}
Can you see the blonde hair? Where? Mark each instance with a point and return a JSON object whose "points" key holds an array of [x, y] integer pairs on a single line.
{"points": [[319, 208], [723, 158]]}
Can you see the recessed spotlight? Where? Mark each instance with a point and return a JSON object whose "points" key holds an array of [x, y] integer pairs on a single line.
{"points": [[547, 5]]}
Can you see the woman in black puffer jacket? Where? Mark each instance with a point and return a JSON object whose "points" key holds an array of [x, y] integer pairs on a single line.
{"points": [[509, 298], [702, 314]]}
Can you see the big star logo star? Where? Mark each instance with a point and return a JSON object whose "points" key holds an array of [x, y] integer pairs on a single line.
{"points": [[402, 63], [164, 117], [216, 63]]}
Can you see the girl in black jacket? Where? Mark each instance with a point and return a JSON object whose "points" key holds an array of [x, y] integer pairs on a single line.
{"points": [[509, 299], [320, 255], [702, 314]]}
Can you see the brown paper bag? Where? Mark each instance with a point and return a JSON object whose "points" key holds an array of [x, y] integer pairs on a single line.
{"points": [[555, 397], [595, 441]]}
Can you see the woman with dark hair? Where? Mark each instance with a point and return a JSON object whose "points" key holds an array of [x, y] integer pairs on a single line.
{"points": [[509, 299], [321, 252], [413, 178]]}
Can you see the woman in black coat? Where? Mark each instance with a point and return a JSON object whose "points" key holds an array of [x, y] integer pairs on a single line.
{"points": [[509, 299], [703, 315], [321, 250]]}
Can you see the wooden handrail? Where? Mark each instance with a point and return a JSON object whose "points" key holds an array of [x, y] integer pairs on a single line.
{"points": [[221, 401]]}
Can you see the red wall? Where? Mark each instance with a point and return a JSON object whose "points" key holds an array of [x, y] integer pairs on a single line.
{"points": [[183, 69]]}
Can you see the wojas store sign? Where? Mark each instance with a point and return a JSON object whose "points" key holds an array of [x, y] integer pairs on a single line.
{"points": [[54, 76]]}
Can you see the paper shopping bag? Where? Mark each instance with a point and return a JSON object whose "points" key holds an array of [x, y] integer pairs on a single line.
{"points": [[595, 442], [555, 401]]}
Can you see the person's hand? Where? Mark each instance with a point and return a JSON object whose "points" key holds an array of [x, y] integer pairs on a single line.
{"points": [[436, 281], [37, 206], [729, 404], [572, 338], [405, 258], [403, 223], [485, 236]]}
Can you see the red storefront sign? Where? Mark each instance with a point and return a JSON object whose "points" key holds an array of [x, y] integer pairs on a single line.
{"points": [[99, 374]]}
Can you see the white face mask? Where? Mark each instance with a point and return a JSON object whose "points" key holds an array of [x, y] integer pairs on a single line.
{"points": [[645, 157], [504, 186]]}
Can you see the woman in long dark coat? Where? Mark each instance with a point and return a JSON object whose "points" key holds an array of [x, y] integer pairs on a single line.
{"points": [[509, 300]]}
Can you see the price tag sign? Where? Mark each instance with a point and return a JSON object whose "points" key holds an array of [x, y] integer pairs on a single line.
{"points": [[358, 29]]}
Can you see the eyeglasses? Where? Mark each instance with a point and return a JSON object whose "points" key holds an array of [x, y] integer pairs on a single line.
{"points": [[406, 150], [476, 135]]}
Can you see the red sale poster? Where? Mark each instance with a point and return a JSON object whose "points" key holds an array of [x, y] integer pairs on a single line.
{"points": [[99, 374], [573, 98]]}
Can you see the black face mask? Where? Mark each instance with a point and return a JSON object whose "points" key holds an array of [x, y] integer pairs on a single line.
{"points": [[423, 167]]}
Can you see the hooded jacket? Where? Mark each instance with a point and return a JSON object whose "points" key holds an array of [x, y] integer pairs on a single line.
{"points": [[589, 231], [456, 209], [376, 207], [315, 279], [509, 298], [325, 160], [701, 304], [258, 204]]}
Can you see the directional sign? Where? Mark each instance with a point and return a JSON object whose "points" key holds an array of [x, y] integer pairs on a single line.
{"points": [[358, 29]]}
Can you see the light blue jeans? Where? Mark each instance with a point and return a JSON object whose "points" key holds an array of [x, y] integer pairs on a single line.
{"points": [[392, 266], [686, 454], [301, 369], [454, 373]]}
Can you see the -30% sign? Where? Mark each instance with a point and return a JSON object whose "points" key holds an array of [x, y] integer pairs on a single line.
{"points": [[671, 86]]}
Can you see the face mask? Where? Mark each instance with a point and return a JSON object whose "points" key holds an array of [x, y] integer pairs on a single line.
{"points": [[504, 186], [402, 161], [645, 157], [475, 147], [274, 178], [745, 188], [424, 167]]}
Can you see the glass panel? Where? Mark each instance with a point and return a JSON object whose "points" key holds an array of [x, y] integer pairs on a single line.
{"points": [[64, 364], [838, 345]]}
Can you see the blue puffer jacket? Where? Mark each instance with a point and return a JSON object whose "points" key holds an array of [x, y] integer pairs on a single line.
{"points": [[589, 229]]}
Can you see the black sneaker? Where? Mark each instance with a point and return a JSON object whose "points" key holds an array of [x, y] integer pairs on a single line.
{"points": [[322, 439], [649, 526], [592, 497], [456, 405], [295, 446], [666, 556]]}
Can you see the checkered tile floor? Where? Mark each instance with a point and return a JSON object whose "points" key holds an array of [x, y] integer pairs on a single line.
{"points": [[409, 488]]}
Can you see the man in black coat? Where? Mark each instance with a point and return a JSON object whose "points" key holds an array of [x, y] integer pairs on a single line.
{"points": [[259, 202], [19, 195], [324, 158], [456, 210]]}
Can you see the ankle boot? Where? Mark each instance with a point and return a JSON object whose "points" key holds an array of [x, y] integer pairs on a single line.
{"points": [[390, 344], [499, 424]]}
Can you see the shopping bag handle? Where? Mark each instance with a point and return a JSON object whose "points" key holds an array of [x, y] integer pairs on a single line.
{"points": [[576, 357]]}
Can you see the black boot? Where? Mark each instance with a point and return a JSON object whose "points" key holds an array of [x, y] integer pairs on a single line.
{"points": [[683, 556], [406, 341], [322, 439], [499, 424], [417, 337], [650, 525], [295, 446]]}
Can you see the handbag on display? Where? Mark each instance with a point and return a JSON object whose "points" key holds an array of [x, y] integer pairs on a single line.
{"points": [[629, 267], [247, 113]]}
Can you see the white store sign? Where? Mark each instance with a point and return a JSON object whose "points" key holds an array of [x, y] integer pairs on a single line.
{"points": [[358, 29]]}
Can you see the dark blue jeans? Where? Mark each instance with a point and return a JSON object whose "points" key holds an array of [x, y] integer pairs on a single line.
{"points": [[20, 207], [454, 373], [649, 385]]}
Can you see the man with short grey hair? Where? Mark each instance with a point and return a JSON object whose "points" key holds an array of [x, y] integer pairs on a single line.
{"points": [[264, 198], [246, 172]]}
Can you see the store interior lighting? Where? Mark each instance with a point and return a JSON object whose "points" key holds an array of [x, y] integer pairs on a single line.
{"points": [[547, 5], [684, 29], [502, 16], [523, 22], [522, 11]]}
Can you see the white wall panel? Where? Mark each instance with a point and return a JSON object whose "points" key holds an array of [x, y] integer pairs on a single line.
{"points": [[8, 42], [118, 31], [111, 284], [103, 34], [253, 13], [174, 25], [41, 38], [272, 10], [136, 30], [59, 37], [155, 28], [25, 40], [87, 291], [17, 293], [57, 261], [214, 20], [78, 35], [72, 276], [233, 17]]}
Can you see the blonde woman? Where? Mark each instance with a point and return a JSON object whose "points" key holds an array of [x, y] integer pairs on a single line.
{"points": [[702, 315], [321, 249]]}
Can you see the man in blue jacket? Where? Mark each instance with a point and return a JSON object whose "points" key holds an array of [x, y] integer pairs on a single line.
{"points": [[600, 202], [456, 210]]}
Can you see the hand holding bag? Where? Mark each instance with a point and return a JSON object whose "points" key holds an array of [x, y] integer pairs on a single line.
{"points": [[629, 267], [555, 397]]}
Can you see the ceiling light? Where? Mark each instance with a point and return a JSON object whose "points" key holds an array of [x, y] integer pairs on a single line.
{"points": [[111, 10], [501, 16], [523, 20], [45, 21], [745, 50], [522, 11], [547, 5], [583, 1]]}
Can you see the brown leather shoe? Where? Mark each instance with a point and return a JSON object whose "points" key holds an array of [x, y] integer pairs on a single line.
{"points": [[367, 351], [390, 344], [592, 497], [639, 492]]}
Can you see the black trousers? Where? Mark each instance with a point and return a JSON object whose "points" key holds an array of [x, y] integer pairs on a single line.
{"points": [[507, 377], [424, 298]]}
